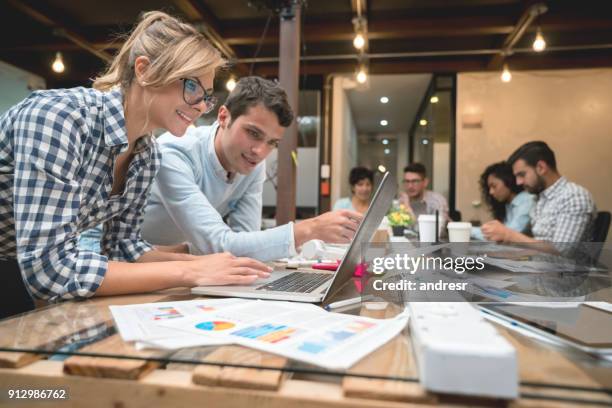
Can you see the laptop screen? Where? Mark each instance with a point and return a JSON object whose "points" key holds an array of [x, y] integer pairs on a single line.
{"points": [[381, 202]]}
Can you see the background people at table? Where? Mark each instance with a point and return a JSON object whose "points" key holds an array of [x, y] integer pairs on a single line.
{"points": [[417, 199], [563, 212], [218, 172], [361, 180], [507, 201], [74, 158]]}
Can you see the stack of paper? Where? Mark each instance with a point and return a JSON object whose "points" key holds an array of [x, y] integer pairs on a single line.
{"points": [[298, 331]]}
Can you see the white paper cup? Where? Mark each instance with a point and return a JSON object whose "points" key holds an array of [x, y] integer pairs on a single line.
{"points": [[459, 231], [427, 227]]}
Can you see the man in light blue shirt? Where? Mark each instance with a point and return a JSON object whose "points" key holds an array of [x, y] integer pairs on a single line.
{"points": [[218, 171]]}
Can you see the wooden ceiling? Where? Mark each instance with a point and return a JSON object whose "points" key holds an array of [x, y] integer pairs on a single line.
{"points": [[404, 36]]}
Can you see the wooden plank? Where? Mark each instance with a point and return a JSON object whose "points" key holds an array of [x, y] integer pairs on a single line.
{"points": [[60, 28], [239, 377], [393, 359], [17, 359], [108, 367], [171, 389], [541, 364], [557, 396], [45, 329]]}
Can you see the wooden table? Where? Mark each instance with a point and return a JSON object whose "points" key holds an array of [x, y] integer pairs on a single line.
{"points": [[548, 377]]}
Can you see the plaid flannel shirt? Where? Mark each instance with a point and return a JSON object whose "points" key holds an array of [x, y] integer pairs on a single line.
{"points": [[57, 152], [563, 213]]}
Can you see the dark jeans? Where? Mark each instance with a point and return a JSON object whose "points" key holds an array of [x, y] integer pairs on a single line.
{"points": [[14, 297]]}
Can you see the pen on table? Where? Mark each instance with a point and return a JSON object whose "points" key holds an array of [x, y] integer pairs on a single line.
{"points": [[345, 302], [297, 264]]}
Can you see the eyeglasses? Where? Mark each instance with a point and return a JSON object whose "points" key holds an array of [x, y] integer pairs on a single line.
{"points": [[194, 93], [414, 181]]}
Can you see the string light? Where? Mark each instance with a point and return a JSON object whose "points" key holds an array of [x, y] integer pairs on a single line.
{"points": [[423, 122], [434, 99], [384, 99], [382, 168], [359, 41], [383, 122], [58, 63], [539, 44], [362, 75], [230, 84], [506, 76], [385, 141]]}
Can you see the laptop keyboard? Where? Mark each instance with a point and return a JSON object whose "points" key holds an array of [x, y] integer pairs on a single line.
{"points": [[303, 282]]}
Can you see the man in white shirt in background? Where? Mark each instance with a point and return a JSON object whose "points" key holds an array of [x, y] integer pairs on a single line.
{"points": [[417, 199], [218, 171]]}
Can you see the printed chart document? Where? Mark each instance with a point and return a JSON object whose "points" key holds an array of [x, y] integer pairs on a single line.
{"points": [[302, 332], [141, 322]]}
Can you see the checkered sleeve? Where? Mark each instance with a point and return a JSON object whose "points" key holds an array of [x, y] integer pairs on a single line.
{"points": [[122, 240], [47, 200], [574, 220]]}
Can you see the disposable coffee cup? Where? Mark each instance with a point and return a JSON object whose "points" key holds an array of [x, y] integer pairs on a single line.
{"points": [[427, 228], [459, 231]]}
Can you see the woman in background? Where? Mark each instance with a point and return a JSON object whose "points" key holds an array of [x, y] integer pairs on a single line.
{"points": [[361, 180], [507, 201]]}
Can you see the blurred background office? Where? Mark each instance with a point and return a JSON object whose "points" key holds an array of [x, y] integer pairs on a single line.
{"points": [[455, 85]]}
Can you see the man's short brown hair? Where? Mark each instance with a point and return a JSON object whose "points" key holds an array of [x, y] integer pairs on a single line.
{"points": [[251, 91]]}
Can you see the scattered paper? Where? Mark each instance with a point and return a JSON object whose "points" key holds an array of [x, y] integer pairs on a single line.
{"points": [[141, 322], [298, 331]]}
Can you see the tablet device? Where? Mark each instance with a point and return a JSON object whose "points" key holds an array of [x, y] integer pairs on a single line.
{"points": [[584, 327]]}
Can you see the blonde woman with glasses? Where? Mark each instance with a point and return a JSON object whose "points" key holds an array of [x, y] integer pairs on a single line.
{"points": [[74, 158]]}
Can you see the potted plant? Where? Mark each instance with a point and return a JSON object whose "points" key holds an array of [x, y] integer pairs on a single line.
{"points": [[399, 219]]}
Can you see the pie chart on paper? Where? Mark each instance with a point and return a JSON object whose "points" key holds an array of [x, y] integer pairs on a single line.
{"points": [[215, 326]]}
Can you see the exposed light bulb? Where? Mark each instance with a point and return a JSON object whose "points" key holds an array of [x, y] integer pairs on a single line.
{"points": [[384, 99], [539, 44], [382, 168], [387, 151], [230, 84], [434, 99], [506, 76], [385, 141], [423, 122], [359, 41], [58, 63], [362, 76], [383, 122]]}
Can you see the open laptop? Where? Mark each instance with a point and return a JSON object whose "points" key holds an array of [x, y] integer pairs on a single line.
{"points": [[314, 287]]}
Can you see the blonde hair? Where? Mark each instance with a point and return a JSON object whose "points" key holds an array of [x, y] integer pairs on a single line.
{"points": [[175, 50]]}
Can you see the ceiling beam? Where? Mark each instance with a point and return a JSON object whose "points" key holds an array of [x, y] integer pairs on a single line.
{"points": [[60, 28], [199, 15], [467, 63], [249, 34], [528, 16]]}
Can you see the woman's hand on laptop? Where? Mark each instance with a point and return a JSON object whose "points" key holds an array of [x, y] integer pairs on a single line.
{"points": [[224, 269], [334, 226]]}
